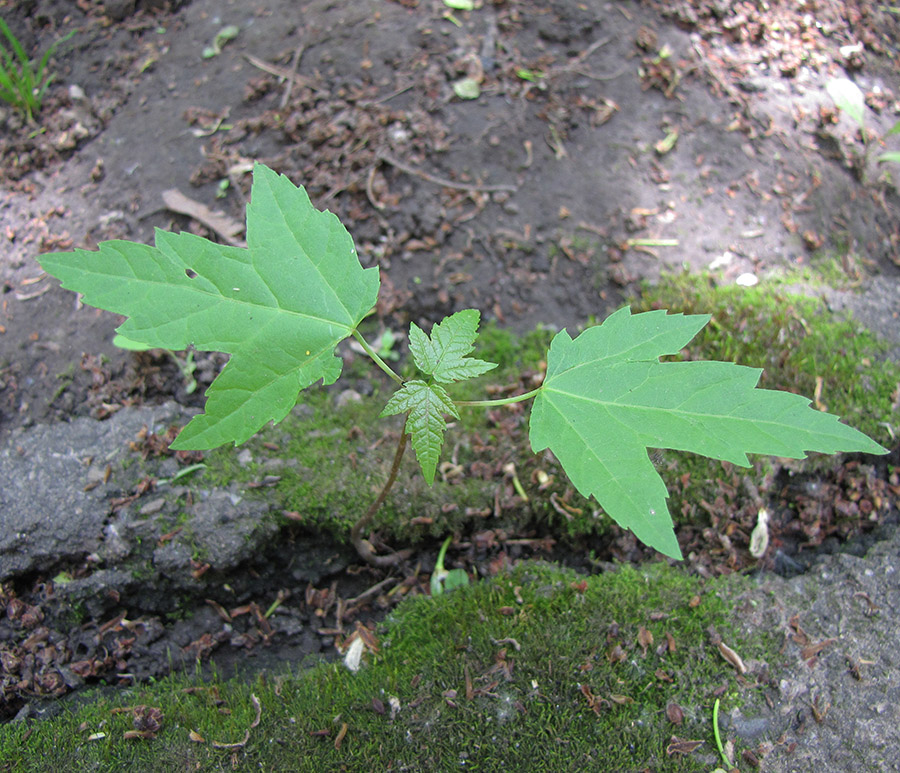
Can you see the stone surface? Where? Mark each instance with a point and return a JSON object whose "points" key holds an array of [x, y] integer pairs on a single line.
{"points": [[836, 706], [877, 307], [54, 503]]}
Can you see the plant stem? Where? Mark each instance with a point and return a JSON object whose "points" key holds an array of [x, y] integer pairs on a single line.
{"points": [[374, 355], [362, 546], [503, 401], [716, 733]]}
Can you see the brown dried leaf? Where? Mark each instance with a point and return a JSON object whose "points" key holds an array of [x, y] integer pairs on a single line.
{"points": [[674, 714], [645, 639], [616, 654], [196, 737], [339, 739], [368, 637], [670, 640], [663, 676], [732, 657], [145, 734], [812, 650]]}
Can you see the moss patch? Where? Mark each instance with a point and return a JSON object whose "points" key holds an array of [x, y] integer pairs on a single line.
{"points": [[540, 669]]}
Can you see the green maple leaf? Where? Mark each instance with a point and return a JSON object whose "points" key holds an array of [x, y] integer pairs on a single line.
{"points": [[426, 404], [606, 398], [279, 307], [443, 355]]}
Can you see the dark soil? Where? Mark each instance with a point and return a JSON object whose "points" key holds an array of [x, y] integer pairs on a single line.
{"points": [[529, 202]]}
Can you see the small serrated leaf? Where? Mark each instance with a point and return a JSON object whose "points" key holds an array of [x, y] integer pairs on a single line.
{"points": [[426, 405], [443, 355], [607, 398]]}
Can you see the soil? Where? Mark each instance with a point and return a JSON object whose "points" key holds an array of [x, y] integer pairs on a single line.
{"points": [[609, 142]]}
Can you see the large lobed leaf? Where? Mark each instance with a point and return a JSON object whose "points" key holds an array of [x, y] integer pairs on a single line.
{"points": [[279, 306], [607, 398]]}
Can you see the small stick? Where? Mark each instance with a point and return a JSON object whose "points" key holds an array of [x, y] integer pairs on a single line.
{"points": [[370, 190], [367, 594], [440, 180], [295, 63]]}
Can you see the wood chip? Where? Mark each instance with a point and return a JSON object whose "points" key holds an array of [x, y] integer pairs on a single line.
{"points": [[812, 650], [223, 225]]}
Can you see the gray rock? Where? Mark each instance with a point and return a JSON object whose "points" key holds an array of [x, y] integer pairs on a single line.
{"points": [[46, 515], [877, 308], [171, 559], [228, 529], [750, 728], [96, 591], [876, 305], [837, 704]]}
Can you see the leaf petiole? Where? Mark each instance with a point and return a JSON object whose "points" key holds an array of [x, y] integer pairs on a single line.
{"points": [[494, 403], [375, 358], [716, 733]]}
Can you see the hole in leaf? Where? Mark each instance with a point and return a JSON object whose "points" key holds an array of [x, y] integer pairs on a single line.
{"points": [[190, 273]]}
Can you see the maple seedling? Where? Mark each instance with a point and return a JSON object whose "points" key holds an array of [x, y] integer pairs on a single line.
{"points": [[281, 305], [446, 579]]}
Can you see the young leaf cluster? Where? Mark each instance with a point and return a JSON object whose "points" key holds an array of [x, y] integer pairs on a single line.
{"points": [[443, 359], [281, 305]]}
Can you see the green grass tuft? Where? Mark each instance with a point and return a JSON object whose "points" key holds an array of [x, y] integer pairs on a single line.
{"points": [[22, 83]]}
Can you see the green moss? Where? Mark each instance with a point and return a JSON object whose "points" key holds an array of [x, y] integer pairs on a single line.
{"points": [[503, 674], [512, 353]]}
